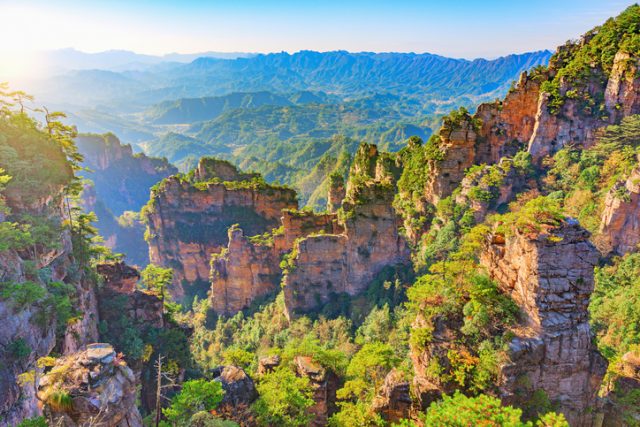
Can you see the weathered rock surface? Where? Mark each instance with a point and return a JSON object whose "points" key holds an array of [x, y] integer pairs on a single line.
{"points": [[249, 269], [577, 125], [238, 386], [188, 221], [327, 265], [145, 309], [393, 401], [620, 225], [336, 193], [324, 383], [268, 364], [98, 389], [550, 276]]}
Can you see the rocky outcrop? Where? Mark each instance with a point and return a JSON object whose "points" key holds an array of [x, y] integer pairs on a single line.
{"points": [[92, 387], [144, 308], [324, 384], [268, 364], [550, 277], [243, 272], [576, 122], [622, 94], [238, 387], [393, 401], [249, 268], [505, 126], [188, 222], [621, 408], [458, 143], [620, 225], [21, 330], [326, 265]]}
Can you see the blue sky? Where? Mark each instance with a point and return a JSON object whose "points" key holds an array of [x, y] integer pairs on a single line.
{"points": [[462, 28]]}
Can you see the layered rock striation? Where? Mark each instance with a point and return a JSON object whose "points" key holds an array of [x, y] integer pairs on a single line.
{"points": [[249, 268], [323, 266], [550, 277], [188, 218], [620, 225]]}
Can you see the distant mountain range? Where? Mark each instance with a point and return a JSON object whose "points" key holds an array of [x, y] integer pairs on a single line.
{"points": [[61, 60], [349, 75]]}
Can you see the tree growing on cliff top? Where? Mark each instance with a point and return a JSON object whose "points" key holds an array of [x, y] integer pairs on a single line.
{"points": [[157, 279]]}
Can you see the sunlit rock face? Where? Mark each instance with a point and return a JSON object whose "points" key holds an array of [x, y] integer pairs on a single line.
{"points": [[249, 269], [326, 265], [550, 277], [188, 221]]}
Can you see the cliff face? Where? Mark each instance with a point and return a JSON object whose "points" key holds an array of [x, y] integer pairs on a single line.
{"points": [[249, 269], [188, 221], [31, 328], [324, 266], [507, 124], [620, 225], [579, 119], [100, 390], [551, 278], [145, 309]]}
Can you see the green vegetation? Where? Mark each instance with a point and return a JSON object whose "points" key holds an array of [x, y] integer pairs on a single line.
{"points": [[195, 396], [284, 399], [585, 65], [581, 179], [34, 422], [462, 411], [613, 307]]}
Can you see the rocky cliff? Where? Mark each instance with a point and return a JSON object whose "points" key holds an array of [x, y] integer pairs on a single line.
{"points": [[323, 266], [188, 219], [249, 268], [620, 226], [93, 387], [550, 277]]}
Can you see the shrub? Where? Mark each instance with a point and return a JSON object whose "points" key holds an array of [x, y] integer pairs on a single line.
{"points": [[195, 396]]}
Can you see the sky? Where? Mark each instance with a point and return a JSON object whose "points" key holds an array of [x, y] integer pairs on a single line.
{"points": [[455, 28]]}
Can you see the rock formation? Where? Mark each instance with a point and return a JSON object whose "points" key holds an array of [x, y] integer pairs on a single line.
{"points": [[250, 268], [324, 383], [336, 193], [188, 219], [238, 387], [326, 265], [550, 276], [393, 401], [144, 308], [620, 225], [574, 123], [92, 387]]}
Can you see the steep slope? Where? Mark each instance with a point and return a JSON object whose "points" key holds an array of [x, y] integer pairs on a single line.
{"points": [[188, 216]]}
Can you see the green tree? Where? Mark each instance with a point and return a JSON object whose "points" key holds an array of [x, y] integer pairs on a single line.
{"points": [[195, 396], [462, 411], [157, 279], [284, 399]]}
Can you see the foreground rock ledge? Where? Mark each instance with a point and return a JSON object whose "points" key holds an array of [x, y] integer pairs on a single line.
{"points": [[92, 387]]}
